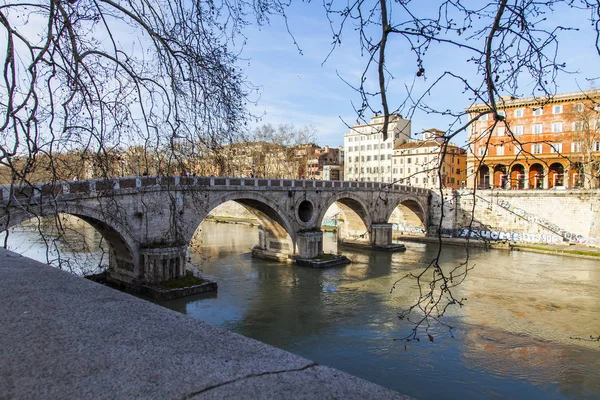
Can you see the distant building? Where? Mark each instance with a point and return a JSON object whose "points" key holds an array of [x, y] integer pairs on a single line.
{"points": [[541, 143], [268, 160], [324, 156], [333, 173], [428, 162], [367, 157]]}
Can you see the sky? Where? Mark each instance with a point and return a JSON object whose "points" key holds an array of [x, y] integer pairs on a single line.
{"points": [[306, 88]]}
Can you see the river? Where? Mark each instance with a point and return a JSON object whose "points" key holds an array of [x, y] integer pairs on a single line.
{"points": [[512, 339]]}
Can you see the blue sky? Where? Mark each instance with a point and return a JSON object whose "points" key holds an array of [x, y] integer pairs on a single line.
{"points": [[296, 88]]}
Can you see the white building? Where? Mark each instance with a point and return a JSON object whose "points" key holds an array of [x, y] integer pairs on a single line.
{"points": [[367, 157]]}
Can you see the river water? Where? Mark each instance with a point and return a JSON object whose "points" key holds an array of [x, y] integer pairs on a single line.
{"points": [[513, 338]]}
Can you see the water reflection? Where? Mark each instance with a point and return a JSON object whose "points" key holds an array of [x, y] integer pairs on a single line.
{"points": [[512, 339]]}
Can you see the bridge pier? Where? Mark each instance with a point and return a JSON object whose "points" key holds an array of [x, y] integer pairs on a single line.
{"points": [[381, 239], [309, 244], [381, 234], [272, 247], [163, 263]]}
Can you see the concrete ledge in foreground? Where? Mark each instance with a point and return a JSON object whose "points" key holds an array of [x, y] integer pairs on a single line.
{"points": [[64, 337]]}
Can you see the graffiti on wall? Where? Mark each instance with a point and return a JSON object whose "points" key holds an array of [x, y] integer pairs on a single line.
{"points": [[517, 237], [408, 229], [563, 234]]}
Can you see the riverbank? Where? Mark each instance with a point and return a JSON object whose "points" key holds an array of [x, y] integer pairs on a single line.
{"points": [[573, 250], [66, 337]]}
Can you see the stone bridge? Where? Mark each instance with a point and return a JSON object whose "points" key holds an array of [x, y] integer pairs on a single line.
{"points": [[149, 222]]}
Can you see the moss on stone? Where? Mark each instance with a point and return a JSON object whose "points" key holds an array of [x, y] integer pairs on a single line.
{"points": [[186, 281]]}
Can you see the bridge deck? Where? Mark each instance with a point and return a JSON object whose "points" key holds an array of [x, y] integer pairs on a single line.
{"points": [[106, 186]]}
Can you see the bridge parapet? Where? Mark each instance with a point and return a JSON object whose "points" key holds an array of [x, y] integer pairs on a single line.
{"points": [[94, 187]]}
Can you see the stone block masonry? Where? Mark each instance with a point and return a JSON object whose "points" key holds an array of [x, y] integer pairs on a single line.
{"points": [[523, 216]]}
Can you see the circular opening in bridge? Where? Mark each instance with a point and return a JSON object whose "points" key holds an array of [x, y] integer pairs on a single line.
{"points": [[305, 211]]}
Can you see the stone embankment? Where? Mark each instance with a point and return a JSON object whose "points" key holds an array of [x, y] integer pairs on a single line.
{"points": [[64, 337], [571, 250]]}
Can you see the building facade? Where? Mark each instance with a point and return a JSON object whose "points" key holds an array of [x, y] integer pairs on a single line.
{"points": [[367, 156], [322, 157], [536, 143], [428, 163]]}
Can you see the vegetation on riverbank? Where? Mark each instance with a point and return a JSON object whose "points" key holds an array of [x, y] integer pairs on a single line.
{"points": [[187, 281], [565, 251]]}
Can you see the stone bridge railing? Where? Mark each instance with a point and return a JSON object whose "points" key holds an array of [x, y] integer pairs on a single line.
{"points": [[105, 186]]}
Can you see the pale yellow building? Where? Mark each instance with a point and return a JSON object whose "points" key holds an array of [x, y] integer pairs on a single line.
{"points": [[425, 163]]}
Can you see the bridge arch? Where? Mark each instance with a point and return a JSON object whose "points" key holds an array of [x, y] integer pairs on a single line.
{"points": [[124, 248], [356, 216], [267, 211], [414, 214]]}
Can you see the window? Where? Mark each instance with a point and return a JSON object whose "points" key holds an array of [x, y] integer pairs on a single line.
{"points": [[458, 169], [481, 151], [356, 159], [362, 158], [382, 146], [557, 127], [579, 107], [416, 180], [576, 147], [499, 151], [408, 171], [389, 145], [368, 158], [536, 148], [389, 157], [362, 147], [557, 109], [368, 170], [395, 171], [577, 126], [537, 128], [500, 130], [556, 148], [519, 112], [518, 130], [502, 113], [409, 160], [484, 117], [538, 111], [368, 147], [596, 146], [517, 149]]}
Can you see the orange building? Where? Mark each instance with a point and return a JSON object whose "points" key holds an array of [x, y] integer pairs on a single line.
{"points": [[536, 143]]}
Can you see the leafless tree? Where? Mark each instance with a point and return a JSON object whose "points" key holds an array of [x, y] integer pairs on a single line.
{"points": [[114, 87], [509, 49]]}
